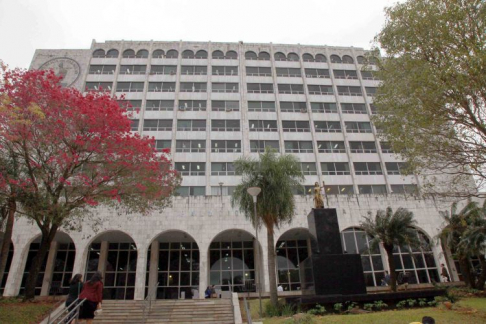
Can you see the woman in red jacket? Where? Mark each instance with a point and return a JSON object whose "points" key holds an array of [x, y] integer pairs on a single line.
{"points": [[93, 292]]}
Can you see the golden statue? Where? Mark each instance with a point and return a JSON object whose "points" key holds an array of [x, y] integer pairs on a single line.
{"points": [[318, 201]]}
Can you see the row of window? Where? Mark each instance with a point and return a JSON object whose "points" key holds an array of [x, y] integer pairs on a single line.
{"points": [[231, 55], [228, 87], [229, 70]]}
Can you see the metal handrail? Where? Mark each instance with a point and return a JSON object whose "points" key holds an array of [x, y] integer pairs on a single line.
{"points": [[69, 314], [247, 311], [147, 303]]}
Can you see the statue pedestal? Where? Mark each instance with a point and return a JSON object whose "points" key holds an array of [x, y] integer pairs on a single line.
{"points": [[328, 271]]}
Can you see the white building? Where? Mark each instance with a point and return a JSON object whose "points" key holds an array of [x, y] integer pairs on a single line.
{"points": [[211, 103]]}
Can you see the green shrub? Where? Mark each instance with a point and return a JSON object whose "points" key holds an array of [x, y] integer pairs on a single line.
{"points": [[338, 307], [271, 310], [432, 303], [411, 302], [287, 310], [351, 305], [368, 307], [401, 304], [379, 304], [304, 319], [318, 310], [422, 302]]}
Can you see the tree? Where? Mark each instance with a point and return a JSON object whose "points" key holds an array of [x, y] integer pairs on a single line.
{"points": [[391, 229], [73, 152], [276, 175], [431, 101]]}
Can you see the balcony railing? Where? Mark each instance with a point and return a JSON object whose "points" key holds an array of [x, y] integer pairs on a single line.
{"points": [[225, 129], [296, 130]]}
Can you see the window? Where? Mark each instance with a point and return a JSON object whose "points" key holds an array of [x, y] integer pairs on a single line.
{"points": [[308, 168], [385, 147], [357, 127], [345, 74], [102, 69], [161, 87], [159, 105], [231, 55], [191, 168], [353, 108], [187, 54], [218, 55], [362, 60], [260, 145], [163, 69], [317, 73], [336, 59], [355, 241], [293, 57], [201, 54], [187, 191], [98, 86], [193, 146], [263, 106], [63, 266], [113, 53], [291, 88], [288, 72], [130, 105], [142, 54], [340, 190], [321, 58], [133, 69], [129, 87], [158, 54], [193, 125], [157, 125], [303, 190], [349, 91], [193, 87], [370, 91], [331, 147], [172, 54], [129, 53], [227, 105], [295, 126], [308, 57], [292, 106], [192, 105], [194, 70], [324, 107], [298, 147], [335, 168], [225, 87], [264, 56], [249, 55], [222, 168], [289, 256], [263, 126], [222, 190], [327, 126], [348, 59], [225, 70], [99, 53], [260, 87], [395, 168], [367, 168], [320, 89], [280, 56], [219, 146], [134, 125], [373, 109], [225, 125], [258, 71], [362, 147], [372, 189], [368, 75], [162, 144]]}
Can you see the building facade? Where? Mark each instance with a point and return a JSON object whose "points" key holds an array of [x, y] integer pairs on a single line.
{"points": [[211, 103]]}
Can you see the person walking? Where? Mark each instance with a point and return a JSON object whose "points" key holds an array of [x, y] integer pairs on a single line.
{"points": [[93, 293], [75, 287]]}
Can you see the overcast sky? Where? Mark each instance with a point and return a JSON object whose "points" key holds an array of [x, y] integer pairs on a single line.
{"points": [[26, 25]]}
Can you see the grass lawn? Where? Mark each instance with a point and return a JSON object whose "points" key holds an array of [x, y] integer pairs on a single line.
{"points": [[466, 311], [14, 311]]}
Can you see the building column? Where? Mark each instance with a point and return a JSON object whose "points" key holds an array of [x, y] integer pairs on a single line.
{"points": [[203, 271], [154, 267], [140, 273], [450, 265], [261, 263], [16, 272], [309, 247], [80, 258], [103, 257], [51, 260]]}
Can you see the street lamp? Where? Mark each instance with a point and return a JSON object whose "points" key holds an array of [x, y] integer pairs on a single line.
{"points": [[254, 192]]}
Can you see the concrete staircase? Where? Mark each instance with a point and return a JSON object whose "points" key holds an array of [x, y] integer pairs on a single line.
{"points": [[167, 311]]}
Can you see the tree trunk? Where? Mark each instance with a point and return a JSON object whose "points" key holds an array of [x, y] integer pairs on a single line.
{"points": [[7, 238], [46, 240], [466, 272], [391, 265], [482, 277], [272, 278]]}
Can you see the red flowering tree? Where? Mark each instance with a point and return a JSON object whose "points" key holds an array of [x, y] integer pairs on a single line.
{"points": [[73, 152]]}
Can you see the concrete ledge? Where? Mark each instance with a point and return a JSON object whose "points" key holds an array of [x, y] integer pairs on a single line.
{"points": [[236, 308]]}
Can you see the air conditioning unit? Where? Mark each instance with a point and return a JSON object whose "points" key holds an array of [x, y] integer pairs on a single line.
{"points": [[228, 109], [303, 110]]}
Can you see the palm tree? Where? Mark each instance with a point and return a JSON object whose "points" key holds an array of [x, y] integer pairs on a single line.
{"points": [[276, 175], [474, 240], [391, 229]]}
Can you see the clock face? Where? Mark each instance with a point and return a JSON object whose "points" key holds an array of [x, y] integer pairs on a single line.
{"points": [[64, 67]]}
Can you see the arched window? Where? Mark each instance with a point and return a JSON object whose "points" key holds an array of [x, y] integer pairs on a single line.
{"points": [[293, 57], [335, 59], [264, 56], [348, 59], [250, 55], [218, 55], [308, 57], [113, 53], [280, 56], [99, 53], [188, 54], [320, 58], [158, 54], [142, 54], [355, 241], [172, 54], [372, 61], [129, 53], [231, 55], [202, 54]]}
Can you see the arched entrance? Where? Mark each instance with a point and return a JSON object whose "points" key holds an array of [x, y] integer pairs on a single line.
{"points": [[114, 254], [292, 248], [3, 280], [232, 261], [173, 263]]}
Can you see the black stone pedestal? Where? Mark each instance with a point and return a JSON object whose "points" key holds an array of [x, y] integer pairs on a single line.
{"points": [[328, 271]]}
